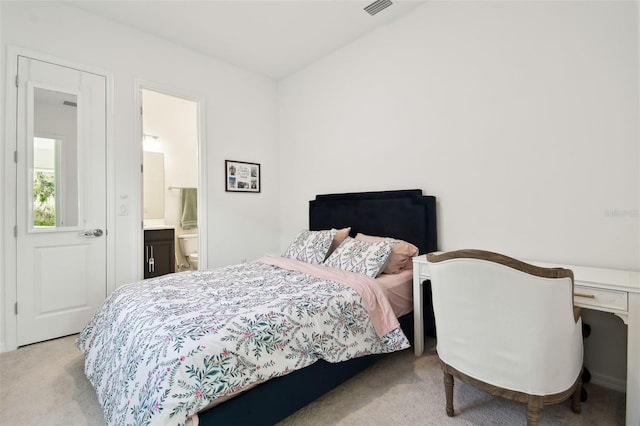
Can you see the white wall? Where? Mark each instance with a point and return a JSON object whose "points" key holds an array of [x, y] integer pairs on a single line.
{"points": [[240, 123], [520, 117]]}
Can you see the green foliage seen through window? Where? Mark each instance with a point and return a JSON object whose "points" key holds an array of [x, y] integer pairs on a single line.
{"points": [[44, 192]]}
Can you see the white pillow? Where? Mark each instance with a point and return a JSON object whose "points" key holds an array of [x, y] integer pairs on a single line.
{"points": [[363, 257], [310, 246]]}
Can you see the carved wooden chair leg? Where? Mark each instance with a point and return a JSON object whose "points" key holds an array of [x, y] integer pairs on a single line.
{"points": [[448, 391], [576, 406], [533, 410]]}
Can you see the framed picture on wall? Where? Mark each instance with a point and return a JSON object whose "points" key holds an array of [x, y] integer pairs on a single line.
{"points": [[241, 176]]}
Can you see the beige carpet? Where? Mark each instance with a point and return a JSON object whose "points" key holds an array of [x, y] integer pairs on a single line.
{"points": [[44, 384]]}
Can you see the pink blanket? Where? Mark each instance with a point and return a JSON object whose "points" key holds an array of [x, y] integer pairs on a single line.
{"points": [[373, 297]]}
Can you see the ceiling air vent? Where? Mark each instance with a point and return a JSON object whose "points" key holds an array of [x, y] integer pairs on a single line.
{"points": [[69, 103], [377, 6]]}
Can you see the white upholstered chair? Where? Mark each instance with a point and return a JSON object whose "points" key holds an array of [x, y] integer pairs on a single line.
{"points": [[507, 327]]}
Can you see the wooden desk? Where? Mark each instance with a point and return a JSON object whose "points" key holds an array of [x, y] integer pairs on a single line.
{"points": [[607, 290]]}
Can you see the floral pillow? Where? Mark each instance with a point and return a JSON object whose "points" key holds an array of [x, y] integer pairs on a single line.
{"points": [[401, 255], [363, 257], [310, 246]]}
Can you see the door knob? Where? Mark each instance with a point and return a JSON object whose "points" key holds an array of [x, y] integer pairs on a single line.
{"points": [[92, 233]]}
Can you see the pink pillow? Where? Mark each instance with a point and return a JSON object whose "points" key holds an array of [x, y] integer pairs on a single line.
{"points": [[338, 239], [401, 254]]}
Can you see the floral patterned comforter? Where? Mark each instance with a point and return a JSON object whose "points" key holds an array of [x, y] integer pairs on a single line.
{"points": [[162, 349]]}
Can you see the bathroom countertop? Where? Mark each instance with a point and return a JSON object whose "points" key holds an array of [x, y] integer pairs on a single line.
{"points": [[156, 227]]}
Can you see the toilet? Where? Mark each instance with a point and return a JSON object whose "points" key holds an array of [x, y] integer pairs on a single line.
{"points": [[189, 247]]}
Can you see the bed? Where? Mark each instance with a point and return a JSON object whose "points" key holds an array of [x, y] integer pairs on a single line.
{"points": [[404, 215]]}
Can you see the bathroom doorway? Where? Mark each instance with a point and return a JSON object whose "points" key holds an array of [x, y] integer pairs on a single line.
{"points": [[171, 182]]}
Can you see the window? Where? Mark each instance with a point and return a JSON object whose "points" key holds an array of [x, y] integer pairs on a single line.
{"points": [[45, 181]]}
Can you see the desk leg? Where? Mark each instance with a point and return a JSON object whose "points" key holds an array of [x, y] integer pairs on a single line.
{"points": [[633, 361], [418, 322]]}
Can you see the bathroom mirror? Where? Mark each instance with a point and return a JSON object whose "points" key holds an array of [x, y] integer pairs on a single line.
{"points": [[153, 181], [54, 154]]}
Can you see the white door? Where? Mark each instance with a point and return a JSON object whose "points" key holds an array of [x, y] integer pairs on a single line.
{"points": [[61, 199]]}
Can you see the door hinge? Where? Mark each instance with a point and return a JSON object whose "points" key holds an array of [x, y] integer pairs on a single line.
{"points": [[17, 80], [15, 156], [141, 168], [15, 231], [140, 110], [15, 308]]}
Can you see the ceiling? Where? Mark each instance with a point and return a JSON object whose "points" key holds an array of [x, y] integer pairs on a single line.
{"points": [[270, 37]]}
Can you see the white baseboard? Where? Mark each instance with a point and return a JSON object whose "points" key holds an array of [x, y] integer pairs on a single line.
{"points": [[608, 382]]}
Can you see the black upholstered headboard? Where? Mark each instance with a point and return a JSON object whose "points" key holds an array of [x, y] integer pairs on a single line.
{"points": [[405, 214]]}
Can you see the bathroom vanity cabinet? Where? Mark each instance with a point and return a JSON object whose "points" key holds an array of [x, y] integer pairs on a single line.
{"points": [[159, 252]]}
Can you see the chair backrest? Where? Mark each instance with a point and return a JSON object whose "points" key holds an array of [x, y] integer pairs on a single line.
{"points": [[505, 322]]}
